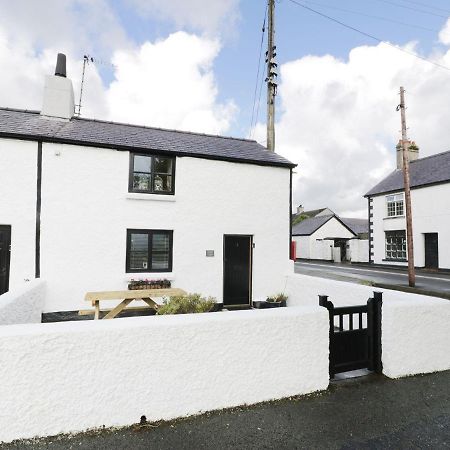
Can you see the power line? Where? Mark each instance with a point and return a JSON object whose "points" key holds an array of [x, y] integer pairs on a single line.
{"points": [[369, 35], [385, 19], [412, 9], [428, 6], [263, 30]]}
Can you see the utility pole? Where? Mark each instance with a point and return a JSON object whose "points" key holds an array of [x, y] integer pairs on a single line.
{"points": [[406, 183], [271, 77]]}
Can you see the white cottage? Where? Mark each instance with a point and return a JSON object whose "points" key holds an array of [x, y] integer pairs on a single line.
{"points": [[88, 205], [430, 198]]}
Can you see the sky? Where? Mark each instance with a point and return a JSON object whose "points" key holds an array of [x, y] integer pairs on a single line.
{"points": [[192, 65]]}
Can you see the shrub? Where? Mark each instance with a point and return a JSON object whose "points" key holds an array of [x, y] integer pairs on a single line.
{"points": [[186, 304], [277, 298]]}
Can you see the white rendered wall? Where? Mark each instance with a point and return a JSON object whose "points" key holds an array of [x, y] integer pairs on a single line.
{"points": [[86, 210], [23, 304], [431, 214], [415, 328], [18, 160], [359, 250], [116, 373]]}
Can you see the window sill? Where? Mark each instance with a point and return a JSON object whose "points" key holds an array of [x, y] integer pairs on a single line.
{"points": [[394, 217], [151, 197], [395, 260]]}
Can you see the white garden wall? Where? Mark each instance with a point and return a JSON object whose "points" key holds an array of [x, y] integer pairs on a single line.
{"points": [[67, 377], [23, 304], [415, 328], [359, 250]]}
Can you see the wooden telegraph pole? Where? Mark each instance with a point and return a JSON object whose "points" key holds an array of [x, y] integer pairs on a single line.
{"points": [[406, 182], [271, 77]]}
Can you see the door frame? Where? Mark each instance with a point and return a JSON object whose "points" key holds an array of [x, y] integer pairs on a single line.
{"points": [[250, 278], [8, 260]]}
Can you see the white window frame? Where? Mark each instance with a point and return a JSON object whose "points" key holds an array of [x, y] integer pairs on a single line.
{"points": [[395, 205]]}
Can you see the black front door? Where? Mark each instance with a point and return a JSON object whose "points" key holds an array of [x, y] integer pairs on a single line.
{"points": [[5, 241], [237, 270], [431, 251]]}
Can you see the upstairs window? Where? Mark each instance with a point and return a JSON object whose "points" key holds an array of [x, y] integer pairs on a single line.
{"points": [[149, 251], [151, 174], [396, 245], [395, 206]]}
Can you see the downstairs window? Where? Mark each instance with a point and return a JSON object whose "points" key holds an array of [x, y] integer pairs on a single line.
{"points": [[396, 245], [149, 251]]}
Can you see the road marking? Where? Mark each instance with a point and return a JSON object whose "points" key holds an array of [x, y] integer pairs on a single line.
{"points": [[371, 271]]}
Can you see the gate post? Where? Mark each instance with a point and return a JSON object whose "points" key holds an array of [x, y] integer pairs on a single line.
{"points": [[374, 328], [323, 301]]}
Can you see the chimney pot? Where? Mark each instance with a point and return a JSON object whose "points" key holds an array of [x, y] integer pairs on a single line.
{"points": [[60, 69], [412, 152]]}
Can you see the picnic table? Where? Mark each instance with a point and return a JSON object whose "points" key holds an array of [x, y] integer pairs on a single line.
{"points": [[126, 297]]}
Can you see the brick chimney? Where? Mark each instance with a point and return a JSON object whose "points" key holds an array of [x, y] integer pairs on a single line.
{"points": [[413, 152], [58, 93]]}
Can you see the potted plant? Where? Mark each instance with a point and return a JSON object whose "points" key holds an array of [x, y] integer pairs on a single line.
{"points": [[274, 301]]}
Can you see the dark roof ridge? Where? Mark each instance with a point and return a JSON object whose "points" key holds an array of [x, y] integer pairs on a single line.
{"points": [[428, 157], [172, 130]]}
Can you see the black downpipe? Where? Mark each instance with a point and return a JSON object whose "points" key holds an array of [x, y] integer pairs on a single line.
{"points": [[37, 262]]}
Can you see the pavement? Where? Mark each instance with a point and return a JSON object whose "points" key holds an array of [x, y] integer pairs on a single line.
{"points": [[371, 412], [427, 283]]}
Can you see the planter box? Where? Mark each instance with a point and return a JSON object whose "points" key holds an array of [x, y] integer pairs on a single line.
{"points": [[217, 307], [265, 305], [139, 286]]}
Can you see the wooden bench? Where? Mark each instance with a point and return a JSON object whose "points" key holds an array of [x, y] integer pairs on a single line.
{"points": [[126, 297]]}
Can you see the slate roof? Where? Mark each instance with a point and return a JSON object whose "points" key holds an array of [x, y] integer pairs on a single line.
{"points": [[429, 170], [308, 226], [31, 125], [358, 226]]}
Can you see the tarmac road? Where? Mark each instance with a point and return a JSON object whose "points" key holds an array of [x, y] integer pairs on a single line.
{"points": [[425, 281], [372, 412]]}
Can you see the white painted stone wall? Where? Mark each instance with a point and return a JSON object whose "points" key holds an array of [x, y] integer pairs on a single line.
{"points": [[18, 205], [359, 250], [24, 304], [68, 377], [415, 328], [86, 210], [431, 214]]}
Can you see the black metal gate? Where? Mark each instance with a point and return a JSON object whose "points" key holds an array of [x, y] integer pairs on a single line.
{"points": [[355, 335]]}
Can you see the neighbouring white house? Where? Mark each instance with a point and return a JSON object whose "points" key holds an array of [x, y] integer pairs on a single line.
{"points": [[88, 205], [430, 199], [322, 235]]}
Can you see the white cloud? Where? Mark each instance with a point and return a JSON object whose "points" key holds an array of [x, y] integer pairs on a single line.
{"points": [[338, 121], [169, 83], [444, 34], [204, 15]]}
